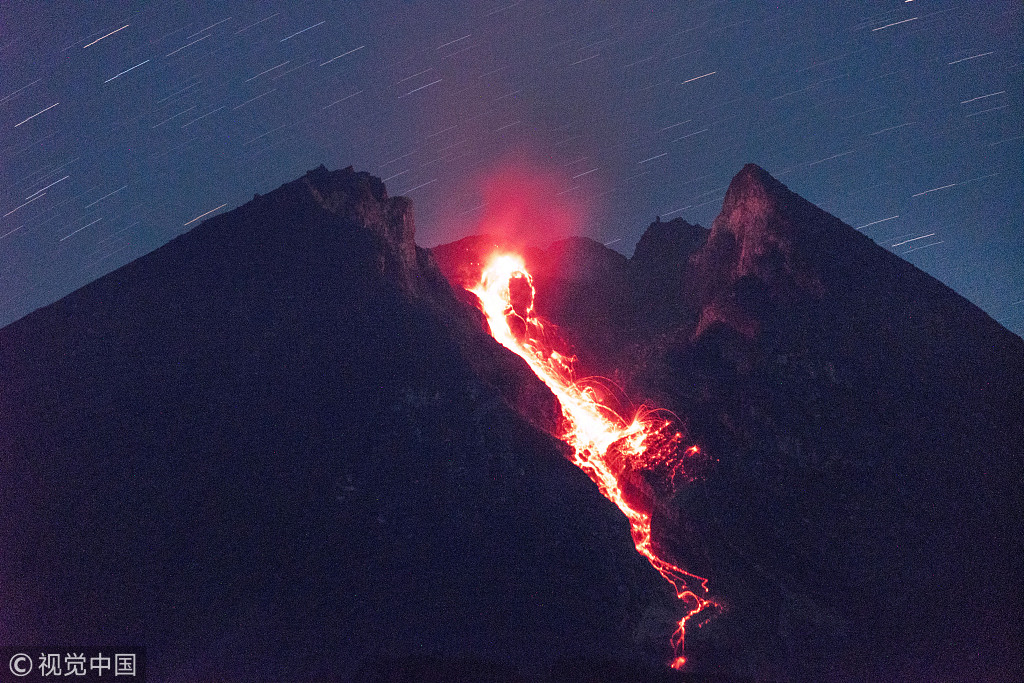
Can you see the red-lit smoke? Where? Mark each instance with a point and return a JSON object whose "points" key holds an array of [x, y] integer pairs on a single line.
{"points": [[523, 200]]}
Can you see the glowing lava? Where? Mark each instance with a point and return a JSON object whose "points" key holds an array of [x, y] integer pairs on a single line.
{"points": [[604, 445]]}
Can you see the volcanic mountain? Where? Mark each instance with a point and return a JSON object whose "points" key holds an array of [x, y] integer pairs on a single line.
{"points": [[284, 447]]}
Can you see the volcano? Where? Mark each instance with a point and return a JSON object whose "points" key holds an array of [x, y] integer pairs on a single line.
{"points": [[285, 446]]}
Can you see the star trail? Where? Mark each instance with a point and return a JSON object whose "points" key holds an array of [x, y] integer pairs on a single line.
{"points": [[123, 127]]}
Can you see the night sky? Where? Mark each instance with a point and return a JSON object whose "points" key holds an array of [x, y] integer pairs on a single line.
{"points": [[122, 122]]}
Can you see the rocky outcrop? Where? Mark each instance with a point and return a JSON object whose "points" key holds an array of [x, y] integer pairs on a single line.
{"points": [[666, 246], [754, 236]]}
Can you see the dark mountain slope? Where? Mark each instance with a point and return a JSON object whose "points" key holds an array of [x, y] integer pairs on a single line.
{"points": [[278, 448], [869, 419]]}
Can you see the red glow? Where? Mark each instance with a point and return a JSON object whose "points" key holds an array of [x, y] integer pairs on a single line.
{"points": [[604, 445], [523, 197], [522, 204]]}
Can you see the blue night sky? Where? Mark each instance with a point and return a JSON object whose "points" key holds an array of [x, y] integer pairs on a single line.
{"points": [[124, 121]]}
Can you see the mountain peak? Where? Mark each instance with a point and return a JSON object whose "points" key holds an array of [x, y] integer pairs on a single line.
{"points": [[751, 181], [763, 231], [342, 205], [668, 244], [346, 185], [364, 196], [753, 193]]}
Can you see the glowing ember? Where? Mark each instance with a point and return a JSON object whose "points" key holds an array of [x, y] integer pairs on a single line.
{"points": [[604, 445]]}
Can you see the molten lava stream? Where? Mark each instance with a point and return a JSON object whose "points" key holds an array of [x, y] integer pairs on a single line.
{"points": [[598, 436]]}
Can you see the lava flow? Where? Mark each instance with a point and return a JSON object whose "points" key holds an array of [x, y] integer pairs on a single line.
{"points": [[603, 444]]}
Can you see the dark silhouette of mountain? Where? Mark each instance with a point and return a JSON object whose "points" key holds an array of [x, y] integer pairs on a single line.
{"points": [[280, 448], [283, 447], [861, 518]]}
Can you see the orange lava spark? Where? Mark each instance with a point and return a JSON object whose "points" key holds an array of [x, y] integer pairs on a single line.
{"points": [[603, 444]]}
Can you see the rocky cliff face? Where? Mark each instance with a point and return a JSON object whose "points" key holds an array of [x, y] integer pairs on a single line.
{"points": [[862, 516], [280, 448]]}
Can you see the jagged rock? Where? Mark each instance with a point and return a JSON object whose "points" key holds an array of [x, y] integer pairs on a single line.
{"points": [[666, 246]]}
